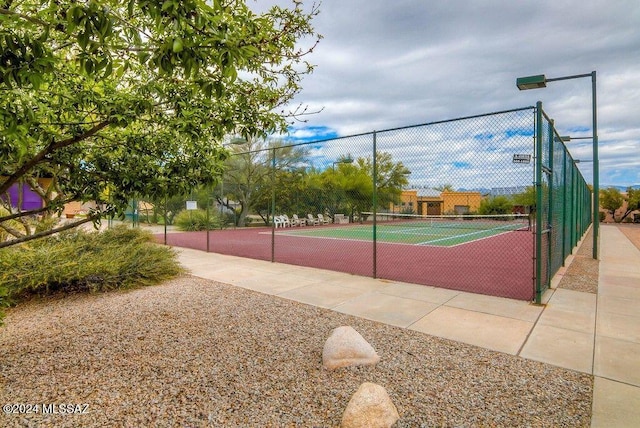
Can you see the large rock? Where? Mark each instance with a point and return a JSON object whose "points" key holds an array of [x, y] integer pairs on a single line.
{"points": [[346, 347], [370, 407]]}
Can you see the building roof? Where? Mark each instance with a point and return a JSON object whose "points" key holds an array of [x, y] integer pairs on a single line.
{"points": [[428, 193]]}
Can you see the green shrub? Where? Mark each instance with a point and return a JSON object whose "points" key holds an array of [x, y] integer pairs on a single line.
{"points": [[84, 261], [46, 224], [496, 205], [602, 215], [193, 220]]}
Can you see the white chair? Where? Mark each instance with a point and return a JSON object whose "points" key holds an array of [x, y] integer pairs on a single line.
{"points": [[295, 221], [322, 220], [311, 220], [285, 220], [277, 221]]}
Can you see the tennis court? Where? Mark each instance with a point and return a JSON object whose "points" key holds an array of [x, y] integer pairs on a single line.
{"points": [[442, 231], [511, 161], [488, 259]]}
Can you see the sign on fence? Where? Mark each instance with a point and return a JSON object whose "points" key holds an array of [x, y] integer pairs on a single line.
{"points": [[519, 158]]}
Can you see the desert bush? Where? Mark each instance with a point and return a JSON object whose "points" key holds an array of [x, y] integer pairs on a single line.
{"points": [[496, 205], [45, 224], [84, 261], [193, 220]]}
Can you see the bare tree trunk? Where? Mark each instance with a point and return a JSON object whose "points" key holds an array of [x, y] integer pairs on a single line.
{"points": [[243, 215]]}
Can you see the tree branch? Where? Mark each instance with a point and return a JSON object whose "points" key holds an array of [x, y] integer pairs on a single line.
{"points": [[25, 17], [39, 157], [48, 232]]}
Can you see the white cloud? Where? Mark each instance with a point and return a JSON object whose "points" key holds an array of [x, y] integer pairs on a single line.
{"points": [[390, 64]]}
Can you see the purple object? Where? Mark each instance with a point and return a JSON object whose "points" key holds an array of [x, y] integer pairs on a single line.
{"points": [[30, 200]]}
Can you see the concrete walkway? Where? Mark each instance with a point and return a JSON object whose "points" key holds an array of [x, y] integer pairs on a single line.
{"points": [[595, 334]]}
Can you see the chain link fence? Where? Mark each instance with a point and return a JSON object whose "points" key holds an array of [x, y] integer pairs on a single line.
{"points": [[489, 204], [565, 201]]}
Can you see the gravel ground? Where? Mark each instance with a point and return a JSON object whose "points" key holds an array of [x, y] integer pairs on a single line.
{"points": [[582, 273], [193, 352]]}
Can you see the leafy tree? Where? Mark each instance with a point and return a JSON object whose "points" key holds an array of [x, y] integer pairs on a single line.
{"points": [[314, 189], [325, 191], [526, 198], [391, 177], [496, 205], [611, 200], [354, 183], [136, 96], [357, 185], [166, 208], [250, 179], [290, 191], [249, 173], [633, 201]]}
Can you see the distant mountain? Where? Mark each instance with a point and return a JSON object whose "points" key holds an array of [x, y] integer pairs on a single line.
{"points": [[620, 188], [517, 189]]}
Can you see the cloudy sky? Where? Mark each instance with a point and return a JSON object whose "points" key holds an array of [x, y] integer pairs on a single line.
{"points": [[385, 64]]}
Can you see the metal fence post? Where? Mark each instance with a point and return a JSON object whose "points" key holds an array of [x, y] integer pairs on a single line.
{"points": [[375, 204], [565, 222], [208, 223], [273, 204], [596, 168], [539, 207], [551, 214]]}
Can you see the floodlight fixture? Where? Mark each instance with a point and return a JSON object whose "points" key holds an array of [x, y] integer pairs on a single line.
{"points": [[563, 138], [531, 82]]}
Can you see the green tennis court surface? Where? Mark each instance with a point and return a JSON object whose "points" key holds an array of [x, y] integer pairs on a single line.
{"points": [[437, 231]]}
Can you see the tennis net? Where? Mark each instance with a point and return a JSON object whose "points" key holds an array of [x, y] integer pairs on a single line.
{"points": [[453, 221]]}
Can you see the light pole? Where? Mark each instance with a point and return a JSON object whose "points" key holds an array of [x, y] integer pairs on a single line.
{"points": [[540, 81]]}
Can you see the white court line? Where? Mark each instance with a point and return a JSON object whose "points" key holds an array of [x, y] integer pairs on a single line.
{"points": [[407, 231], [469, 234]]}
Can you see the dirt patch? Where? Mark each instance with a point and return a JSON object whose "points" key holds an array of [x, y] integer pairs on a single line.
{"points": [[582, 273]]}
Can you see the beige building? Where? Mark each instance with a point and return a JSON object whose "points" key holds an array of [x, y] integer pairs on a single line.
{"points": [[433, 202]]}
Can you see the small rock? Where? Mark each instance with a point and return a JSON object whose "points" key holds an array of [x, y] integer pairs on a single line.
{"points": [[346, 347], [370, 407]]}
